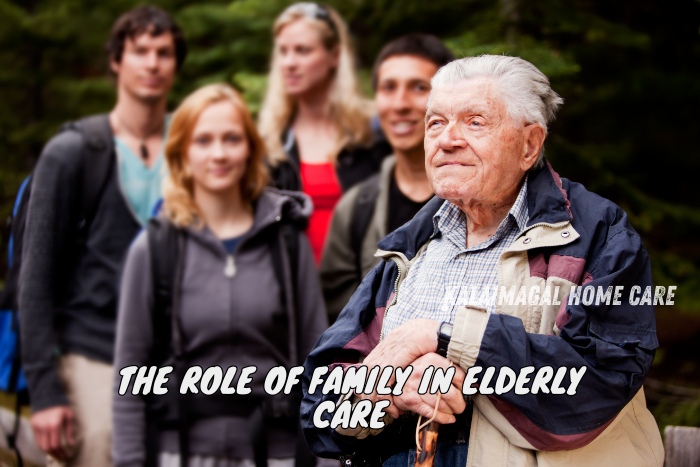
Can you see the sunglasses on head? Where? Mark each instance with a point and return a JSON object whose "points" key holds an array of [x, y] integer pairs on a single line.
{"points": [[316, 11]]}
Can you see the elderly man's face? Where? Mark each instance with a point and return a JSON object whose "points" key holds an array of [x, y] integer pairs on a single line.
{"points": [[475, 154]]}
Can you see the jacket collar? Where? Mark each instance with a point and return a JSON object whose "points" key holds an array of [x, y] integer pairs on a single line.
{"points": [[546, 202], [272, 207]]}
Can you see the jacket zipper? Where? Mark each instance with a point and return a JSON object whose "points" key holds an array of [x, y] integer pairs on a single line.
{"points": [[230, 269], [540, 224], [382, 335]]}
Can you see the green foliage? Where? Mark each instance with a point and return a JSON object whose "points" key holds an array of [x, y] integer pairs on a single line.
{"points": [[252, 86], [627, 71], [678, 414]]}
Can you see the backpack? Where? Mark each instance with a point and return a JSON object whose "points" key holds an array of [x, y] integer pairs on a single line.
{"points": [[166, 245], [97, 134], [362, 212]]}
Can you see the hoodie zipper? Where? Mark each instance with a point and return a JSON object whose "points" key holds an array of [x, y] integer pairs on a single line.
{"points": [[230, 269]]}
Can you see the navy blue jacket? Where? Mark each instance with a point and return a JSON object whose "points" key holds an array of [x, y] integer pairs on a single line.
{"points": [[573, 237]]}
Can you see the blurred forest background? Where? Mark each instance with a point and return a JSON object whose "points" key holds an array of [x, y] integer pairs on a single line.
{"points": [[629, 72]]}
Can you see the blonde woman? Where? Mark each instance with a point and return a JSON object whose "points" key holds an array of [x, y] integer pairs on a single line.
{"points": [[235, 287], [316, 126]]}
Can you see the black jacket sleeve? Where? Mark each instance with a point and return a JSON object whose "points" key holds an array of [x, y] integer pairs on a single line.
{"points": [[49, 229]]}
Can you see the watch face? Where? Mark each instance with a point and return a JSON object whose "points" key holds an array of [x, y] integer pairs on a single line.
{"points": [[445, 330], [444, 335]]}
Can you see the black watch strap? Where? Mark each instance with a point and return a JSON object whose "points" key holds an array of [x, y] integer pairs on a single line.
{"points": [[444, 335]]}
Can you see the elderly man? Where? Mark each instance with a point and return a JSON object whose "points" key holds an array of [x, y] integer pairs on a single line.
{"points": [[505, 225]]}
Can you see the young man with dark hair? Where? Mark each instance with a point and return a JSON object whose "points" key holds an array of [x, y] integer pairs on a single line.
{"points": [[72, 255], [365, 214]]}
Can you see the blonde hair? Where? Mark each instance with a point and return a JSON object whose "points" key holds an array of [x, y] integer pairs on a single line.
{"points": [[178, 191], [350, 112]]}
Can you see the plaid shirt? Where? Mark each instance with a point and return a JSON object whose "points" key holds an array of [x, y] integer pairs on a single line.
{"points": [[449, 275]]}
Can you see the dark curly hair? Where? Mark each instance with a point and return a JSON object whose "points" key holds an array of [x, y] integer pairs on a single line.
{"points": [[145, 19]]}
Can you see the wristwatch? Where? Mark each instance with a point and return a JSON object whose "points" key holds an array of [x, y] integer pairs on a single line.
{"points": [[444, 334]]}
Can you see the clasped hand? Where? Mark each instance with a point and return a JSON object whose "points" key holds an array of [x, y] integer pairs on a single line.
{"points": [[414, 344]]}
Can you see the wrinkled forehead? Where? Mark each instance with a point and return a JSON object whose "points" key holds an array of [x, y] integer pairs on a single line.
{"points": [[473, 95]]}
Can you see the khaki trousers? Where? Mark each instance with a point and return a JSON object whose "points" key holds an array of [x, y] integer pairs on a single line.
{"points": [[88, 385]]}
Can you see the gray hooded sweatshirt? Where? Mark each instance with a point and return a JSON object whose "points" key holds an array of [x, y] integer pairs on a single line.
{"points": [[226, 321]]}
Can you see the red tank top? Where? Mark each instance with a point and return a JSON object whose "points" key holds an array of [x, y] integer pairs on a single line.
{"points": [[320, 183]]}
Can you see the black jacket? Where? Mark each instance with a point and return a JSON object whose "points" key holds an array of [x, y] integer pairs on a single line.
{"points": [[68, 293], [353, 165]]}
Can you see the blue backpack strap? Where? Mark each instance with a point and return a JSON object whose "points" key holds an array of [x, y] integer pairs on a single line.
{"points": [[20, 192], [19, 199], [8, 299], [157, 208], [15, 379]]}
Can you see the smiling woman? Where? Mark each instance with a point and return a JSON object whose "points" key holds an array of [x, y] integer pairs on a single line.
{"points": [[243, 293], [218, 152], [314, 121], [214, 155]]}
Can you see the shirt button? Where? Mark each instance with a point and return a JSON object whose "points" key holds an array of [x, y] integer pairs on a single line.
{"points": [[526, 240], [565, 234], [278, 218]]}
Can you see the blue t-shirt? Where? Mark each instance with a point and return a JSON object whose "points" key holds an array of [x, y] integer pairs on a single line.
{"points": [[141, 185]]}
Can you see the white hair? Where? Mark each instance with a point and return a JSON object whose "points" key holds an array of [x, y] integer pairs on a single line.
{"points": [[524, 89]]}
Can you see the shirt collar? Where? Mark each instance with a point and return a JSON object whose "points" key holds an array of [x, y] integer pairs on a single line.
{"points": [[449, 213]]}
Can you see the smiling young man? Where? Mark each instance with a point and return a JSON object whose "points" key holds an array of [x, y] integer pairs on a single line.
{"points": [[73, 247], [386, 201]]}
